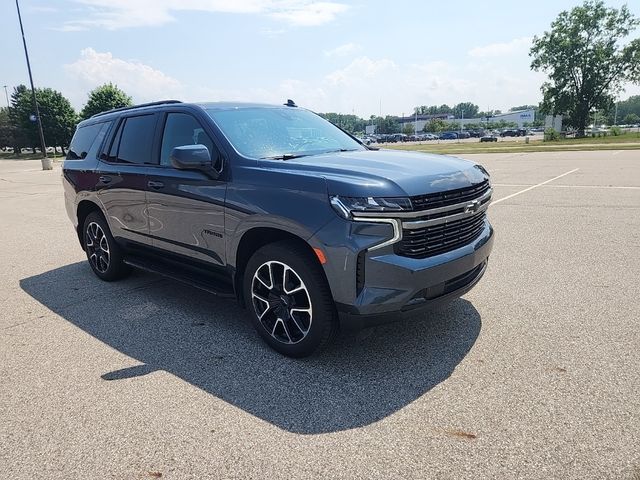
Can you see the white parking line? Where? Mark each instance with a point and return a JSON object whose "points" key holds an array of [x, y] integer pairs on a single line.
{"points": [[534, 186], [511, 184], [620, 187]]}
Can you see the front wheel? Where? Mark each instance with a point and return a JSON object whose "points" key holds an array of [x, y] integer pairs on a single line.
{"points": [[289, 300]]}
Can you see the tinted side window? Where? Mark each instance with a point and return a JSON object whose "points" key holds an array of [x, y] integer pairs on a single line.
{"points": [[183, 129], [82, 141], [113, 151], [136, 139], [97, 143]]}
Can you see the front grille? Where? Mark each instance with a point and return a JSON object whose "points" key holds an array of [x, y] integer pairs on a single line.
{"points": [[451, 197], [436, 239]]}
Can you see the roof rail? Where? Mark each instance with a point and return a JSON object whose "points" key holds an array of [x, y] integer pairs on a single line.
{"points": [[161, 102]]}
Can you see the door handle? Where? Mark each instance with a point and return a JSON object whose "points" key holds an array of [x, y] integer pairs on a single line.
{"points": [[104, 179], [156, 185]]}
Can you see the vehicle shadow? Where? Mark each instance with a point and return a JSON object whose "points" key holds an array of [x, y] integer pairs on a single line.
{"points": [[206, 341]]}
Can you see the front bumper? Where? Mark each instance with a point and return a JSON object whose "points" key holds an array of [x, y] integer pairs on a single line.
{"points": [[393, 287]]}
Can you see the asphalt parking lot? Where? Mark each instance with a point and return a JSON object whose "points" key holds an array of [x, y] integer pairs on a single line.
{"points": [[533, 374]]}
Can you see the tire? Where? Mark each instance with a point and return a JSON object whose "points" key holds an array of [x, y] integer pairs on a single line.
{"points": [[289, 300], [105, 256]]}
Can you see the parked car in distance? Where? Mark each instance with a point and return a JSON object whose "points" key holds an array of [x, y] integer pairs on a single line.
{"points": [[464, 134], [476, 133], [514, 132], [448, 136], [272, 205], [488, 138], [426, 137], [509, 133]]}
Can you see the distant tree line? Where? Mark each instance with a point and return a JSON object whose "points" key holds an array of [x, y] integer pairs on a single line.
{"points": [[59, 119], [18, 128], [391, 124], [436, 125]]}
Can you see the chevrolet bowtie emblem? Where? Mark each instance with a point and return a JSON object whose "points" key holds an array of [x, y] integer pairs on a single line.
{"points": [[472, 207]]}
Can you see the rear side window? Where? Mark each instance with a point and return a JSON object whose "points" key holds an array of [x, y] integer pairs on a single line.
{"points": [[134, 140], [83, 139]]}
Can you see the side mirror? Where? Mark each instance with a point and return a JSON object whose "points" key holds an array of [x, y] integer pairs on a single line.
{"points": [[193, 157]]}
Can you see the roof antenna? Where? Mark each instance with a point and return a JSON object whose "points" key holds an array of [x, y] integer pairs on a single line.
{"points": [[290, 103]]}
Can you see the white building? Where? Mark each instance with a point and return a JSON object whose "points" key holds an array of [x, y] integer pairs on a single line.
{"points": [[520, 117]]}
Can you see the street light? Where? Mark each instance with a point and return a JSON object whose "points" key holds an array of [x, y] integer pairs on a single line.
{"points": [[7, 95], [46, 163]]}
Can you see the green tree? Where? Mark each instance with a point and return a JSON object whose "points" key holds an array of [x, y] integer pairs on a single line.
{"points": [[58, 117], [466, 110], [630, 105], [443, 109], [586, 61], [25, 133], [523, 107], [631, 119], [388, 124], [435, 125], [7, 131], [351, 123], [408, 129], [103, 98]]}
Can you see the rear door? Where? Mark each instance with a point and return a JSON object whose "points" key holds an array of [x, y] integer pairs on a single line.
{"points": [[186, 208], [122, 177]]}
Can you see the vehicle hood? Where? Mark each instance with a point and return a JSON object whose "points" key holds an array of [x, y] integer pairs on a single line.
{"points": [[391, 173]]}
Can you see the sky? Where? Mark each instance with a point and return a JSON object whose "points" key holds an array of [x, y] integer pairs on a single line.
{"points": [[362, 57]]}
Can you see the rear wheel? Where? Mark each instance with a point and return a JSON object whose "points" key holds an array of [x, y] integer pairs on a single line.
{"points": [[288, 299], [104, 254]]}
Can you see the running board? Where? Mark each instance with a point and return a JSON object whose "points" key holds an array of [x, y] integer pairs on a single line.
{"points": [[192, 276]]}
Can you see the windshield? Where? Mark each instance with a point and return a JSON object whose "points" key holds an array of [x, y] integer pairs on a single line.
{"points": [[280, 132]]}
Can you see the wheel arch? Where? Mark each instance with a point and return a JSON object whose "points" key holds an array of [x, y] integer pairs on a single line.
{"points": [[256, 238], [84, 208]]}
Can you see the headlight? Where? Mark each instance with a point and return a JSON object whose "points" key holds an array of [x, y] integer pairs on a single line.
{"points": [[345, 205], [482, 169]]}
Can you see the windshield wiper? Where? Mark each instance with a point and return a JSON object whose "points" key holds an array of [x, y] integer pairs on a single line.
{"points": [[285, 156], [342, 150]]}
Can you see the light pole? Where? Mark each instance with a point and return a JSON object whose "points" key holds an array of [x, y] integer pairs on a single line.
{"points": [[7, 96], [46, 163]]}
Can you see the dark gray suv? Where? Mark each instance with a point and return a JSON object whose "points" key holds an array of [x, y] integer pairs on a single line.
{"points": [[309, 229]]}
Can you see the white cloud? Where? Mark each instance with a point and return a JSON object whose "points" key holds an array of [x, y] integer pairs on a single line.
{"points": [[343, 50], [517, 45], [309, 14], [41, 9], [272, 32], [360, 86], [117, 14], [360, 71], [365, 83], [143, 82]]}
